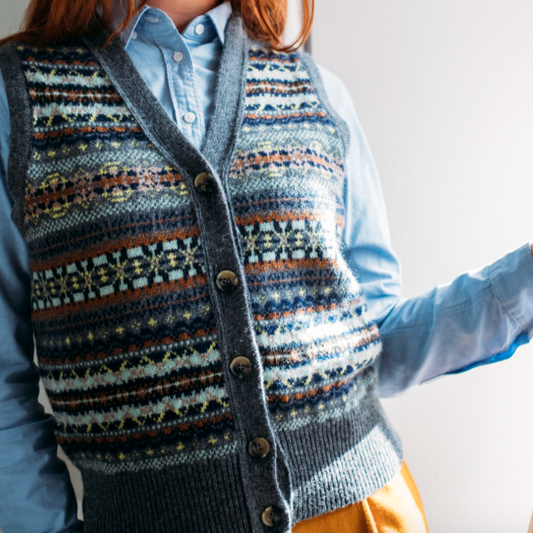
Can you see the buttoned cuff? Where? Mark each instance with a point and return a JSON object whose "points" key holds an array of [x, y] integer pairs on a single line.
{"points": [[511, 280]]}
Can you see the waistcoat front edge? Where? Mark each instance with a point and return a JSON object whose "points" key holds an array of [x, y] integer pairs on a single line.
{"points": [[220, 140], [20, 146], [222, 132]]}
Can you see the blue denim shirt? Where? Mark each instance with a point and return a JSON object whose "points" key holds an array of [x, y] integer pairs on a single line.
{"points": [[480, 318]]}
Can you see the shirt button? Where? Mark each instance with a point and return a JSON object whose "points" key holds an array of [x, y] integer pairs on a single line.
{"points": [[204, 183], [178, 56], [240, 367], [227, 281], [189, 117], [258, 448], [271, 516], [152, 19], [134, 35], [199, 29]]}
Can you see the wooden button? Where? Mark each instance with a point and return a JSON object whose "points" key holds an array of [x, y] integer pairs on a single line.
{"points": [[240, 367], [258, 448], [204, 183], [271, 516], [227, 281]]}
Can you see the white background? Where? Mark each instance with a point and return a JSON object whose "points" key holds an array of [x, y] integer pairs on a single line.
{"points": [[444, 91]]}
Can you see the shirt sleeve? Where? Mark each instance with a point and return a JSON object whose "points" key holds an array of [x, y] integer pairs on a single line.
{"points": [[482, 317], [36, 494]]}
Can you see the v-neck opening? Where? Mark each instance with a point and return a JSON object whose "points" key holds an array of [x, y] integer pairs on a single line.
{"points": [[219, 141]]}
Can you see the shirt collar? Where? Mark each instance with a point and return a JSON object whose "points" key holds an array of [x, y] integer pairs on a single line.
{"points": [[219, 16]]}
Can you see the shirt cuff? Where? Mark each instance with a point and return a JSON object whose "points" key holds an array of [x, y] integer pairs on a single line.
{"points": [[511, 279]]}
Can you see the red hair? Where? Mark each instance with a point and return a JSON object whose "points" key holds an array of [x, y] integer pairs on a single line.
{"points": [[47, 21]]}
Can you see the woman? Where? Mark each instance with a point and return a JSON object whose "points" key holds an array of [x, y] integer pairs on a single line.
{"points": [[196, 238]]}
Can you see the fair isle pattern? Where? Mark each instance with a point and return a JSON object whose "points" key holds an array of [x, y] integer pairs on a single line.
{"points": [[126, 336], [287, 180]]}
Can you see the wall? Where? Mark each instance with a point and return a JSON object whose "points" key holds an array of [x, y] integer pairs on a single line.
{"points": [[11, 14], [443, 91]]}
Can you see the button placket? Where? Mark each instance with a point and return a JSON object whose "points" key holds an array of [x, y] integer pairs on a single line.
{"points": [[236, 330], [230, 298]]}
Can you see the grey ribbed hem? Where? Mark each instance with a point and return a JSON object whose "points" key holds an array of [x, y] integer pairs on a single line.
{"points": [[332, 465], [200, 498], [342, 461]]}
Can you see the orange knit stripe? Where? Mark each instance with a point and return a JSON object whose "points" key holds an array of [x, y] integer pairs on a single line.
{"points": [[126, 243], [73, 63], [279, 117], [85, 129], [135, 392], [285, 398], [275, 216], [290, 264]]}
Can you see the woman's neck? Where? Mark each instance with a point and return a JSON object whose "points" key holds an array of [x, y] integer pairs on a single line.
{"points": [[181, 12]]}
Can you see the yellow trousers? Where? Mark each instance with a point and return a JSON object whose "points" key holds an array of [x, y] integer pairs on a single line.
{"points": [[397, 508]]}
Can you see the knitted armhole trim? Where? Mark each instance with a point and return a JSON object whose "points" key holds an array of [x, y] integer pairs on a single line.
{"points": [[21, 129], [318, 85]]}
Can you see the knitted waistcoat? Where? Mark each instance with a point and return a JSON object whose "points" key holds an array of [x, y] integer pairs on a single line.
{"points": [[136, 333]]}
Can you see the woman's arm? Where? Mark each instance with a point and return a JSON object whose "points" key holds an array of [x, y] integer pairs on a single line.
{"points": [[482, 317], [35, 490], [479, 318]]}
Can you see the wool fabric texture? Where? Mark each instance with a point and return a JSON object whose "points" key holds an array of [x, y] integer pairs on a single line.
{"points": [[397, 508], [135, 338]]}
